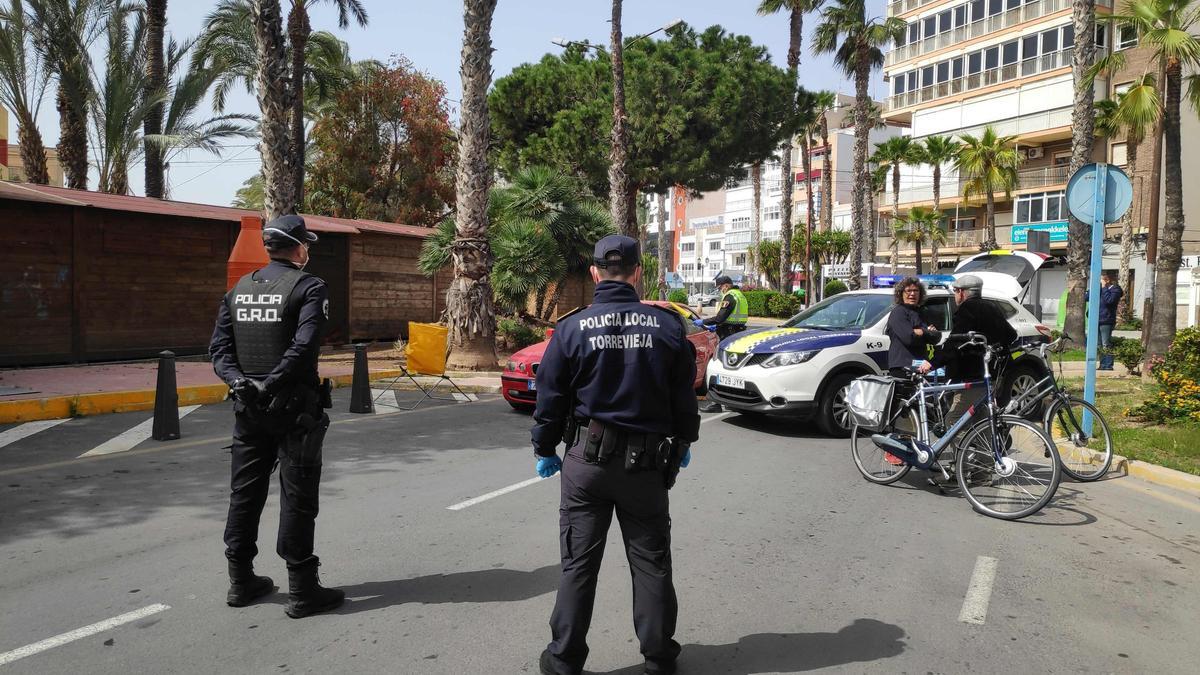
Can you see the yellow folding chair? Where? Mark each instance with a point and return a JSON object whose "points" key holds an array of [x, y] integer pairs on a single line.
{"points": [[425, 355]]}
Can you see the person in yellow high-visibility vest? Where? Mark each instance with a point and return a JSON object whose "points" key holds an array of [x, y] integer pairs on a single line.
{"points": [[734, 312]]}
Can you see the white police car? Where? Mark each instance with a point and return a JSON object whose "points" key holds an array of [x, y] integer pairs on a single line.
{"points": [[802, 367]]}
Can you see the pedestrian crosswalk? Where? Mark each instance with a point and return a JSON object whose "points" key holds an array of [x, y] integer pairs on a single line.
{"points": [[130, 438], [10, 436]]}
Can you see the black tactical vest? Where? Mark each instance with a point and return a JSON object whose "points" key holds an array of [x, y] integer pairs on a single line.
{"points": [[263, 329]]}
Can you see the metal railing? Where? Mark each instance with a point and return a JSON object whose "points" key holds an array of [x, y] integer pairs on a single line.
{"points": [[897, 7], [987, 78], [952, 187], [957, 239], [1017, 126], [991, 24]]}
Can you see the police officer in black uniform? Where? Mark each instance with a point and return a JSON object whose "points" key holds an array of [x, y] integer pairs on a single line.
{"points": [[615, 384], [265, 347]]}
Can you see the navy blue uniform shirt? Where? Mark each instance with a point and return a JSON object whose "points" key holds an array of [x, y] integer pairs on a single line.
{"points": [[309, 303], [628, 364]]}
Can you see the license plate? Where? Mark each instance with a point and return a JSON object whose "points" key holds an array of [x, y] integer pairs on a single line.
{"points": [[532, 384], [730, 381]]}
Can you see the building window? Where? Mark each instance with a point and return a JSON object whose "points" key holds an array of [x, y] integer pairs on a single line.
{"points": [[771, 213], [977, 13], [944, 21], [1127, 37], [1040, 207], [1050, 41], [739, 223], [1119, 154], [687, 247], [714, 246], [960, 16], [1101, 35], [1062, 158], [964, 224]]}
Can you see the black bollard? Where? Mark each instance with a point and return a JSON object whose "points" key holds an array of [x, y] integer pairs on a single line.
{"points": [[360, 389], [166, 400]]}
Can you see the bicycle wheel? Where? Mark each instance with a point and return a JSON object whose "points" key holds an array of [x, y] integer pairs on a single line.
{"points": [[1085, 457], [876, 464], [1024, 479]]}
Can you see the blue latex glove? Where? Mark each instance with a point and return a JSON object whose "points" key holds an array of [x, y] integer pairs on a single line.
{"points": [[548, 466], [687, 459], [698, 323]]}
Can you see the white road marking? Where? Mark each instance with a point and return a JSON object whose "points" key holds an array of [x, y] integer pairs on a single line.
{"points": [[502, 491], [128, 440], [27, 429], [79, 633], [525, 483], [384, 399], [979, 592], [465, 397]]}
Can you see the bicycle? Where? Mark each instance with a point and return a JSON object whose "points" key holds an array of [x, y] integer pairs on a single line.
{"points": [[1006, 466], [1064, 421]]}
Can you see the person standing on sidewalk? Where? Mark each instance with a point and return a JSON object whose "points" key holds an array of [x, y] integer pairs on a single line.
{"points": [[615, 385], [265, 347], [1110, 298]]}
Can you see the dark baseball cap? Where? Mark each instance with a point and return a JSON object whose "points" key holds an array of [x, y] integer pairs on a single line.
{"points": [[626, 247], [722, 280], [287, 231]]}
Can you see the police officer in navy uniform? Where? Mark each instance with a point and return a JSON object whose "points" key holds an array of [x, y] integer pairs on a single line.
{"points": [[615, 384], [265, 347]]}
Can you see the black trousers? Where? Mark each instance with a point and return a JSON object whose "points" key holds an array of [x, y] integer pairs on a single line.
{"points": [[590, 495], [258, 445], [724, 330]]}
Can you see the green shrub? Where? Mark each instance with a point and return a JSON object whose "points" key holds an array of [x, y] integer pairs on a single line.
{"points": [[783, 306], [835, 286], [678, 295], [513, 335], [1130, 353], [1133, 324], [1178, 377], [757, 301]]}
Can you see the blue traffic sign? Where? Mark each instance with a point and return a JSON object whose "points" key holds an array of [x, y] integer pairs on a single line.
{"points": [[1081, 193]]}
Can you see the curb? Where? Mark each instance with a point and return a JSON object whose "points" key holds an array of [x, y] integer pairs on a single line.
{"points": [[1159, 475], [81, 405]]}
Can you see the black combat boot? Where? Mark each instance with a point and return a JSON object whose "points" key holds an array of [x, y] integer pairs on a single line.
{"points": [[245, 586], [307, 596]]}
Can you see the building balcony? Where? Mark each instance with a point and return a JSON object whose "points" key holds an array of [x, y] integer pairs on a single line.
{"points": [[958, 241], [977, 29], [898, 7], [1013, 71], [1038, 127], [1038, 178]]}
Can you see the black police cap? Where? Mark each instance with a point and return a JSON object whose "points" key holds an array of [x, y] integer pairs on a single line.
{"points": [[626, 247], [722, 280], [286, 231]]}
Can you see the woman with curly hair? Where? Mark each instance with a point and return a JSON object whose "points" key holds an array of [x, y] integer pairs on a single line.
{"points": [[910, 333]]}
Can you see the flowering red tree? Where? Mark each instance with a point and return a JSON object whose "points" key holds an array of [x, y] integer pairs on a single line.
{"points": [[384, 149]]}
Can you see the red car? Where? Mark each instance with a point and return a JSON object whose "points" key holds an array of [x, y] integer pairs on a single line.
{"points": [[520, 390]]}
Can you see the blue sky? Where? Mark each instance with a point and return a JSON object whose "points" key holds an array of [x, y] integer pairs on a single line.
{"points": [[429, 33]]}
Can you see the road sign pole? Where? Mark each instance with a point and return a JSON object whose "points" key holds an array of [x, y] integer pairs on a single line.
{"points": [[1093, 305]]}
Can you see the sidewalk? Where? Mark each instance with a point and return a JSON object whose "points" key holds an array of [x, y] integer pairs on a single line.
{"points": [[54, 392]]}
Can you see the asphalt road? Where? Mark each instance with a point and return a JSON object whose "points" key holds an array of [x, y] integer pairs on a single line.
{"points": [[786, 560]]}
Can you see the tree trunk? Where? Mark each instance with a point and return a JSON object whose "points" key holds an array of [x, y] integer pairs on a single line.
{"points": [[33, 152], [755, 216], [1083, 120], [917, 243], [811, 215], [861, 182], [618, 157], [552, 305], [469, 307], [73, 143], [663, 257], [895, 215], [826, 177], [156, 80], [118, 181], [1170, 246], [1153, 229], [937, 209], [1124, 276], [795, 35], [990, 244], [274, 101], [299, 29], [539, 302]]}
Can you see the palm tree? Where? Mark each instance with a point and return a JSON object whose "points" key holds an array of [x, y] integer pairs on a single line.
{"points": [[662, 246], [299, 31], [618, 167], [1083, 117], [826, 103], [795, 10], [894, 153], [755, 216], [808, 116], [937, 151], [857, 47], [275, 91], [156, 81], [120, 105], [250, 195], [469, 307], [63, 32], [23, 79], [987, 164], [1167, 28], [917, 226]]}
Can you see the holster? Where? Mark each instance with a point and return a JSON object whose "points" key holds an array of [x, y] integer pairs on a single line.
{"points": [[600, 444], [641, 451], [670, 454], [303, 443], [326, 393]]}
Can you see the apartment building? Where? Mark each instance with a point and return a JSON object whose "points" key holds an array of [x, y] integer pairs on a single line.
{"points": [[964, 65], [11, 168]]}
